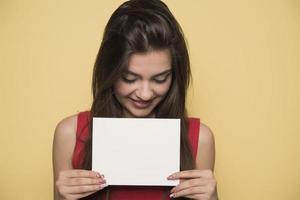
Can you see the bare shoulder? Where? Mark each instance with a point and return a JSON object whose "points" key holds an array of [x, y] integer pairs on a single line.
{"points": [[66, 127], [206, 148], [206, 136], [64, 142]]}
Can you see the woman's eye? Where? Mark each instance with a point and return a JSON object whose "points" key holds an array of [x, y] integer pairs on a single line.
{"points": [[128, 80], [160, 80]]}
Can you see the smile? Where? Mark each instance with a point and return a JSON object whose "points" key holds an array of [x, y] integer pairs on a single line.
{"points": [[141, 104]]}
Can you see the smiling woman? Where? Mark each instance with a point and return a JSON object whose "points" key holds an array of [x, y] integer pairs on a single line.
{"points": [[145, 83], [142, 70]]}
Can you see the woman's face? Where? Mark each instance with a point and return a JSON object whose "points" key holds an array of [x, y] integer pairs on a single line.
{"points": [[145, 83]]}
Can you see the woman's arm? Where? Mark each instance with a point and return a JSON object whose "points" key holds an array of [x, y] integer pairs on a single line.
{"points": [[199, 183], [63, 145], [68, 182], [206, 149]]}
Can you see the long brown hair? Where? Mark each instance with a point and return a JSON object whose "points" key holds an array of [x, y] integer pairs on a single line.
{"points": [[141, 26]]}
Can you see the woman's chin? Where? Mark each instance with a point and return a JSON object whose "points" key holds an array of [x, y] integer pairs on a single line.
{"points": [[139, 113]]}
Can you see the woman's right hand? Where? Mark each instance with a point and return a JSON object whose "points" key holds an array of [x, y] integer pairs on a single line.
{"points": [[75, 184]]}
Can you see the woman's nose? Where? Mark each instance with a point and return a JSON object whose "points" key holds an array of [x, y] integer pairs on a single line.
{"points": [[144, 92]]}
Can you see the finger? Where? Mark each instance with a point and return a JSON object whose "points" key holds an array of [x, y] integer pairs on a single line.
{"points": [[81, 173], [189, 183], [79, 196], [84, 181], [188, 191], [182, 180], [191, 174], [197, 196], [83, 188]]}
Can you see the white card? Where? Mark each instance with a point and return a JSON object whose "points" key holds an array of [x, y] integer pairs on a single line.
{"points": [[136, 151]]}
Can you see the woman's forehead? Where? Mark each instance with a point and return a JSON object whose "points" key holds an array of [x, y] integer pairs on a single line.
{"points": [[152, 62]]}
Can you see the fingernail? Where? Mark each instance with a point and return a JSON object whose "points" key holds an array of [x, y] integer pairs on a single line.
{"points": [[103, 185], [172, 195], [102, 175], [170, 177], [100, 181]]}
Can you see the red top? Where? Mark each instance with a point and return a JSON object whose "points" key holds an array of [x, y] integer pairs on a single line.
{"points": [[128, 192]]}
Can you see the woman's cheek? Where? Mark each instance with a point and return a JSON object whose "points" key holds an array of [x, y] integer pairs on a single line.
{"points": [[124, 89], [163, 89]]}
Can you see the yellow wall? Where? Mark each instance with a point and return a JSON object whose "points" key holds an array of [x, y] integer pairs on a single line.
{"points": [[245, 59]]}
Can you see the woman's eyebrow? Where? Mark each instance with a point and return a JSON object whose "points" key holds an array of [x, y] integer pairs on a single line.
{"points": [[130, 73], [159, 74], [163, 73]]}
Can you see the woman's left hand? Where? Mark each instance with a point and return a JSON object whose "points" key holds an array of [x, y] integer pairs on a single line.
{"points": [[195, 184]]}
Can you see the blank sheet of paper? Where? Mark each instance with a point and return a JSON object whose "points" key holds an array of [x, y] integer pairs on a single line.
{"points": [[136, 151]]}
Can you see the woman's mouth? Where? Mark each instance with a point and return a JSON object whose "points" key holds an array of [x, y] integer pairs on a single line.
{"points": [[141, 104]]}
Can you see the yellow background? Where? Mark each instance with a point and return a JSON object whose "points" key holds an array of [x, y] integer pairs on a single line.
{"points": [[245, 59]]}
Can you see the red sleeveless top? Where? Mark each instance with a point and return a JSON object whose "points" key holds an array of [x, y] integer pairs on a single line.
{"points": [[128, 192]]}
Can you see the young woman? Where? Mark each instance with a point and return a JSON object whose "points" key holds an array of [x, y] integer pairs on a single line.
{"points": [[142, 70]]}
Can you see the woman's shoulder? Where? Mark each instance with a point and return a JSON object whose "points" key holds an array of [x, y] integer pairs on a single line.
{"points": [[206, 148], [204, 131], [66, 128], [64, 142], [65, 132], [205, 134], [67, 125]]}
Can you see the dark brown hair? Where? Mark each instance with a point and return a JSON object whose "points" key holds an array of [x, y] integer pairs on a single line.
{"points": [[140, 26]]}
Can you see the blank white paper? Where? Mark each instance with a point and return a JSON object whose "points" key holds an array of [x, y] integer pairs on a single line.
{"points": [[136, 151]]}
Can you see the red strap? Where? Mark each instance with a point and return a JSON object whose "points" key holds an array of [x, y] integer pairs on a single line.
{"points": [[81, 137], [194, 128]]}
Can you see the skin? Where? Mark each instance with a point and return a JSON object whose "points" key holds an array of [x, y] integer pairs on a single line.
{"points": [[139, 91], [199, 183], [145, 84], [71, 183]]}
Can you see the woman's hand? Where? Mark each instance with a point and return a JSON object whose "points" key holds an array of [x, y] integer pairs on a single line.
{"points": [[195, 184], [76, 184]]}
